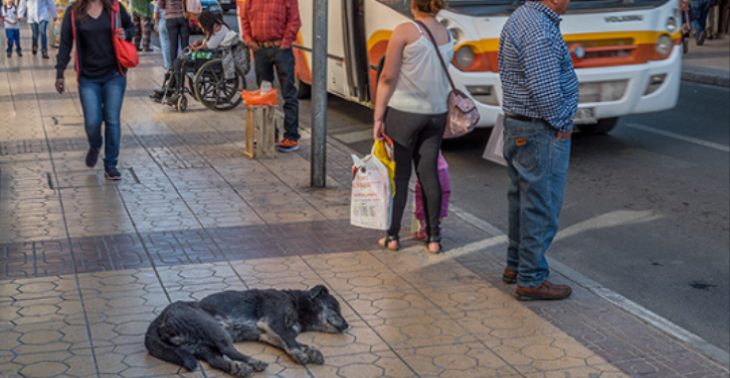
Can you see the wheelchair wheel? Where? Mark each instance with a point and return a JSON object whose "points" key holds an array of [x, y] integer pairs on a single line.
{"points": [[214, 91], [182, 104]]}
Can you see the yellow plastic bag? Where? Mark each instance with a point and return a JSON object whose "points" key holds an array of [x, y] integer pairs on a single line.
{"points": [[383, 150]]}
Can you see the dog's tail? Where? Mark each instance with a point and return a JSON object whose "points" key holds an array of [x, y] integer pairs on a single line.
{"points": [[167, 352]]}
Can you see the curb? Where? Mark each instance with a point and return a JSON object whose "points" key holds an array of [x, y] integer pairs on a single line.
{"points": [[705, 76]]}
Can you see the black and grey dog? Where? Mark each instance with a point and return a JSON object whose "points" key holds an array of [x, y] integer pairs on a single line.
{"points": [[186, 332]]}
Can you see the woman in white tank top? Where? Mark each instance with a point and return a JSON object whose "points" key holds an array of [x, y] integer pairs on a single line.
{"points": [[410, 108]]}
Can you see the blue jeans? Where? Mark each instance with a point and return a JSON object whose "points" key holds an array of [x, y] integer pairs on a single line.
{"points": [[265, 59], [164, 40], [40, 28], [700, 10], [13, 36], [101, 100], [537, 163]]}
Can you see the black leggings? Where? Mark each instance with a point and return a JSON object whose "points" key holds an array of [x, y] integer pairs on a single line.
{"points": [[416, 137]]}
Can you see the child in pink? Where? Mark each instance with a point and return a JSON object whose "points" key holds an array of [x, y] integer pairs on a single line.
{"points": [[419, 213]]}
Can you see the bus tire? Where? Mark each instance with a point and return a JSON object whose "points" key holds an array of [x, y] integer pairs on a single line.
{"points": [[603, 126], [304, 90]]}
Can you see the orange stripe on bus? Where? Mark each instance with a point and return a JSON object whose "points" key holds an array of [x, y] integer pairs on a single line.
{"points": [[643, 49]]}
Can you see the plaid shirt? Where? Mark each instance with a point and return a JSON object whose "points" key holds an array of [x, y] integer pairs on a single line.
{"points": [[271, 20], [536, 69]]}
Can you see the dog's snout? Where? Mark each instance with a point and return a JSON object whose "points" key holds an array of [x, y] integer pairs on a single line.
{"points": [[344, 326]]}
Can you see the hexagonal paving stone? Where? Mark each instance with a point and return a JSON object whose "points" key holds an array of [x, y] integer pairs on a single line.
{"points": [[41, 337], [45, 310], [43, 369]]}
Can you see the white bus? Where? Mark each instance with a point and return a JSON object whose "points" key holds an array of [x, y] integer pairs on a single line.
{"points": [[627, 53]]}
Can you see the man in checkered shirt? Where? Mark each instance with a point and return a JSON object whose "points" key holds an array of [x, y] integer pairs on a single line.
{"points": [[540, 100], [269, 28]]}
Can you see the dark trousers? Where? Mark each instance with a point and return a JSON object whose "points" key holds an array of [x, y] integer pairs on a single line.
{"points": [[416, 140], [265, 60], [13, 36], [142, 30], [179, 31]]}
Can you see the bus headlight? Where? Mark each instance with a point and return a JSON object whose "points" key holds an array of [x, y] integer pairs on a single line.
{"points": [[464, 57], [663, 45], [671, 25]]}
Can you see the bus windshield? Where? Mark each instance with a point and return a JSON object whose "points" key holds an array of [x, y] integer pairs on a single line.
{"points": [[501, 7]]}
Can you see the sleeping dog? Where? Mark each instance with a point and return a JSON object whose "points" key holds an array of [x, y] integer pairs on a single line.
{"points": [[186, 332]]}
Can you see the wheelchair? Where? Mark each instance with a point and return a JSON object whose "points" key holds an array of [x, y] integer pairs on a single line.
{"points": [[203, 73]]}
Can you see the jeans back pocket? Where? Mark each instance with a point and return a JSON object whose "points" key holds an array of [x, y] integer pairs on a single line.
{"points": [[522, 149]]}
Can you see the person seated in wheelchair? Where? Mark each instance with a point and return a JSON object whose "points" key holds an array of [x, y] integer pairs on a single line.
{"points": [[215, 31]]}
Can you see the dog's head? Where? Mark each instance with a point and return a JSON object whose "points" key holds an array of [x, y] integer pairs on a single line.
{"points": [[326, 314]]}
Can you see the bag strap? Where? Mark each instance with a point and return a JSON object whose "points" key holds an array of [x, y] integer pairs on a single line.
{"points": [[438, 53], [76, 48]]}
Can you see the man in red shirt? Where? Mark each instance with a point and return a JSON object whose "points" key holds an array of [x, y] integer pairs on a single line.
{"points": [[269, 27]]}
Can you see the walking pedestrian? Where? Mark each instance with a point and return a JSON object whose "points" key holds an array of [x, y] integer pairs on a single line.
{"points": [[159, 16], [142, 18], [38, 13], [540, 100], [700, 10], [269, 27], [410, 108], [101, 78], [11, 19], [178, 29]]}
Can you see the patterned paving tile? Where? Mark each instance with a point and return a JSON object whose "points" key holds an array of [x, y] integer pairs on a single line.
{"points": [[463, 360], [367, 365]]}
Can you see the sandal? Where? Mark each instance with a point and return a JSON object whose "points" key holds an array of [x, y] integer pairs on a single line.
{"points": [[385, 242], [434, 240]]}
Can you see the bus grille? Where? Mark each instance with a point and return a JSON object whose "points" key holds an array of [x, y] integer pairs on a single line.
{"points": [[606, 52], [602, 91]]}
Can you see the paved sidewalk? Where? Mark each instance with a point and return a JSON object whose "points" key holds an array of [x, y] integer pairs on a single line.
{"points": [[709, 63], [88, 263]]}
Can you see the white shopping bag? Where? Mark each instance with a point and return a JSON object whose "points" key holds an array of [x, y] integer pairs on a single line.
{"points": [[495, 146], [372, 201]]}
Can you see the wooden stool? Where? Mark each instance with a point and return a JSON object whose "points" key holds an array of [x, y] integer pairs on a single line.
{"points": [[261, 122]]}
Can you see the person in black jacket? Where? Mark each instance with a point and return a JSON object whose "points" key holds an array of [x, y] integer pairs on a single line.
{"points": [[101, 78]]}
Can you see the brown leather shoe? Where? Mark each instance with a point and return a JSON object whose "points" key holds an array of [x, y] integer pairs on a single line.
{"points": [[545, 291], [509, 276]]}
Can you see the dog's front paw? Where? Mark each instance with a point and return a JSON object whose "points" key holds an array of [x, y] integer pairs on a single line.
{"points": [[258, 365], [299, 356], [315, 357], [190, 364], [240, 369]]}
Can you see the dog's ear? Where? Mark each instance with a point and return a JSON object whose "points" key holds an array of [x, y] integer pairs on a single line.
{"points": [[317, 290]]}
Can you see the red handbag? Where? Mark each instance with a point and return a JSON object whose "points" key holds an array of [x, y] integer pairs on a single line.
{"points": [[127, 55]]}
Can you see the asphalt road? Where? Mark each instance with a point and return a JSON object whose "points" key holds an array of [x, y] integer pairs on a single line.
{"points": [[645, 214], [647, 206]]}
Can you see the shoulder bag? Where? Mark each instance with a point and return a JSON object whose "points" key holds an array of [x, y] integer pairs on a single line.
{"points": [[127, 55], [462, 114]]}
